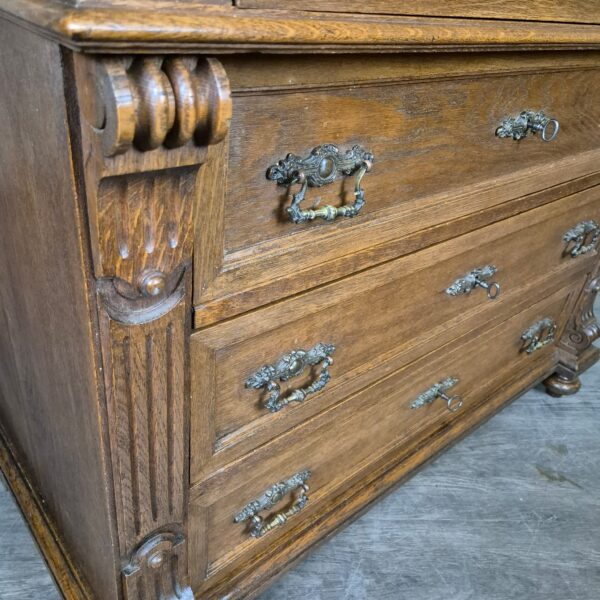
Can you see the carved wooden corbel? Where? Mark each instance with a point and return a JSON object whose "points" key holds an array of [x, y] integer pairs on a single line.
{"points": [[576, 348], [149, 102], [145, 125]]}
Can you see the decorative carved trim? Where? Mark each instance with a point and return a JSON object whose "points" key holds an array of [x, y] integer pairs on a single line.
{"points": [[157, 568], [148, 102], [144, 223], [144, 136], [583, 328], [145, 346], [144, 364], [575, 346]]}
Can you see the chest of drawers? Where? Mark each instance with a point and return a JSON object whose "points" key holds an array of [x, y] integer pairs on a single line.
{"points": [[259, 263]]}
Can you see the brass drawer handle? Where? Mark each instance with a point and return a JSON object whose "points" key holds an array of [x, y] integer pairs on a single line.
{"points": [[476, 278], [288, 366], [438, 390], [582, 238], [269, 498], [540, 334], [528, 121], [322, 166]]}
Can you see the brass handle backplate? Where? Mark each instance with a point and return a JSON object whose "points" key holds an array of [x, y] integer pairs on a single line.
{"points": [[527, 122], [322, 166], [582, 238], [476, 278], [438, 390], [269, 498], [288, 366], [540, 334]]}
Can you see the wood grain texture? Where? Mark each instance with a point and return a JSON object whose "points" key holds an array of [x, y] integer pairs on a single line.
{"points": [[498, 514], [168, 26], [256, 576], [509, 512], [380, 319], [50, 397], [427, 123], [336, 459], [154, 187], [147, 403], [144, 127], [569, 11], [145, 222], [458, 116]]}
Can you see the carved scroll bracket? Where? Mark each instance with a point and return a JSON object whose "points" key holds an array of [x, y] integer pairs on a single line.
{"points": [[156, 569], [149, 102], [145, 124], [583, 329], [576, 349]]}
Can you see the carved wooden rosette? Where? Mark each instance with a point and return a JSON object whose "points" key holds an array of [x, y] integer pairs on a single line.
{"points": [[144, 133], [576, 350]]}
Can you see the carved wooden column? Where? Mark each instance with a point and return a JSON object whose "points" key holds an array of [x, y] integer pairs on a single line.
{"points": [[145, 125], [575, 347]]}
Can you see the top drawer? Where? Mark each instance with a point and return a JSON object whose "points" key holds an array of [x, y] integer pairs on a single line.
{"points": [[575, 11], [430, 125]]}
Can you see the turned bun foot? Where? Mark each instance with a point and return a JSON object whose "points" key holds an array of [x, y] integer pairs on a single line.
{"points": [[560, 385]]}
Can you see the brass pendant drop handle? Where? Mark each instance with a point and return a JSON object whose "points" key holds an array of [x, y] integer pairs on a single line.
{"points": [[438, 390], [582, 238], [528, 121], [323, 165], [289, 365], [477, 277], [540, 334], [269, 498]]}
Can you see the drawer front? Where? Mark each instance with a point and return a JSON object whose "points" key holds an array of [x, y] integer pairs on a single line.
{"points": [[343, 445], [249, 384], [435, 157], [574, 11]]}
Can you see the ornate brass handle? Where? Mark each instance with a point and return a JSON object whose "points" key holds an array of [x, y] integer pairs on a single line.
{"points": [[438, 390], [476, 278], [537, 336], [269, 498], [323, 165], [288, 366], [528, 121], [582, 238]]}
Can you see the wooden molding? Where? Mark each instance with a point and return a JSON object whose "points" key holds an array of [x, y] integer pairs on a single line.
{"points": [[164, 27], [145, 126]]}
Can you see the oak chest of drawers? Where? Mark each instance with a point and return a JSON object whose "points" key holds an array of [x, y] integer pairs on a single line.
{"points": [[260, 262]]}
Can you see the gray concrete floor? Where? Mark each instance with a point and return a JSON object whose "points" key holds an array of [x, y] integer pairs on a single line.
{"points": [[510, 513]]}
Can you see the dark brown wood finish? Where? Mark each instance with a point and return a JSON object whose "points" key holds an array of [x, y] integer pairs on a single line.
{"points": [[147, 270]]}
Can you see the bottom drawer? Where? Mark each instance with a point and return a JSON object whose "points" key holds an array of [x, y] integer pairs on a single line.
{"points": [[246, 507]]}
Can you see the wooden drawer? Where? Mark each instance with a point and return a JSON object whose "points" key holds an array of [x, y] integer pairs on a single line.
{"points": [[377, 320], [431, 128], [345, 444], [574, 11]]}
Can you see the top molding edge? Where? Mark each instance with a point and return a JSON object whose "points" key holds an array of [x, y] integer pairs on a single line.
{"points": [[170, 28]]}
